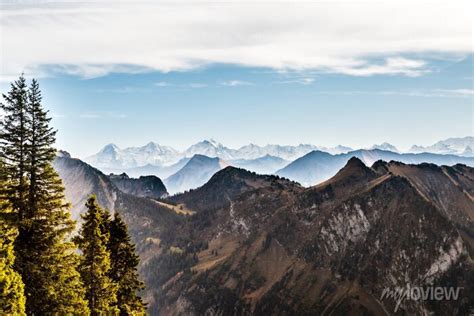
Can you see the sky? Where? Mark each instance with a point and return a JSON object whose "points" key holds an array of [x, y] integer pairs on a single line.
{"points": [[324, 72]]}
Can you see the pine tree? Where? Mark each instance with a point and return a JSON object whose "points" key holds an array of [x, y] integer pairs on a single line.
{"points": [[40, 151], [12, 299], [45, 259], [123, 270], [95, 265], [13, 143]]}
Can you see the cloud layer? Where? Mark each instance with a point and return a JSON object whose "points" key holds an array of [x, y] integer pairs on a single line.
{"points": [[355, 38]]}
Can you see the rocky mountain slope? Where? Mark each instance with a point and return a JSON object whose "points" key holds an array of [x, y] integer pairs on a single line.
{"points": [[318, 166], [146, 217], [144, 186], [265, 245], [330, 249]]}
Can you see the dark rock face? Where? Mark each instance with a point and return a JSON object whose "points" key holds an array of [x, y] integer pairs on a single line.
{"points": [[278, 248], [145, 186]]}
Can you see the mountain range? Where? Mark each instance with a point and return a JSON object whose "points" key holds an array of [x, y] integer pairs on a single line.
{"points": [[453, 146], [250, 244], [113, 159], [163, 161], [311, 169], [318, 166]]}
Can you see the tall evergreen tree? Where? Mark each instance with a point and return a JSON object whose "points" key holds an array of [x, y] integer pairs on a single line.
{"points": [[95, 265], [13, 143], [40, 151], [45, 259], [123, 270], [12, 299]]}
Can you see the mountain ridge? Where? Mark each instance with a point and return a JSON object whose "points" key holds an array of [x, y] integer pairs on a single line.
{"points": [[159, 160], [262, 244], [318, 166]]}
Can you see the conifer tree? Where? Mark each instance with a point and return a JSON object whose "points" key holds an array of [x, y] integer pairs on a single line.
{"points": [[40, 151], [123, 270], [95, 264], [45, 259], [13, 143], [12, 299]]}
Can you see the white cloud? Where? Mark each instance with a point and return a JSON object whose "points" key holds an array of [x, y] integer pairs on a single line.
{"points": [[162, 84], [462, 92], [391, 66], [235, 83], [94, 39], [193, 85], [304, 81]]}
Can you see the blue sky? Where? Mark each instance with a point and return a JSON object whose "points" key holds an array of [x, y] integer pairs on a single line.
{"points": [[182, 77]]}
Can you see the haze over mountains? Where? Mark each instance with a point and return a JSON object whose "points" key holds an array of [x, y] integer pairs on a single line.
{"points": [[306, 164], [112, 158], [152, 154], [318, 166]]}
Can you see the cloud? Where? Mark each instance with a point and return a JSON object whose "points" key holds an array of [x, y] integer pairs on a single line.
{"points": [[353, 38], [162, 84], [391, 66], [462, 92], [192, 85], [235, 83], [304, 81]]}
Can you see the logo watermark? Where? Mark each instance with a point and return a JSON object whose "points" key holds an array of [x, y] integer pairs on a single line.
{"points": [[417, 293]]}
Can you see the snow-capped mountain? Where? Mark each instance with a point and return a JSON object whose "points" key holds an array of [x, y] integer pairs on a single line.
{"points": [[455, 146], [112, 157], [385, 146], [152, 156], [210, 148]]}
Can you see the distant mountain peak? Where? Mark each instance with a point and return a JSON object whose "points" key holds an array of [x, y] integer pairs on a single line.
{"points": [[151, 145], [211, 142], [199, 157], [385, 146], [110, 148], [454, 145]]}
